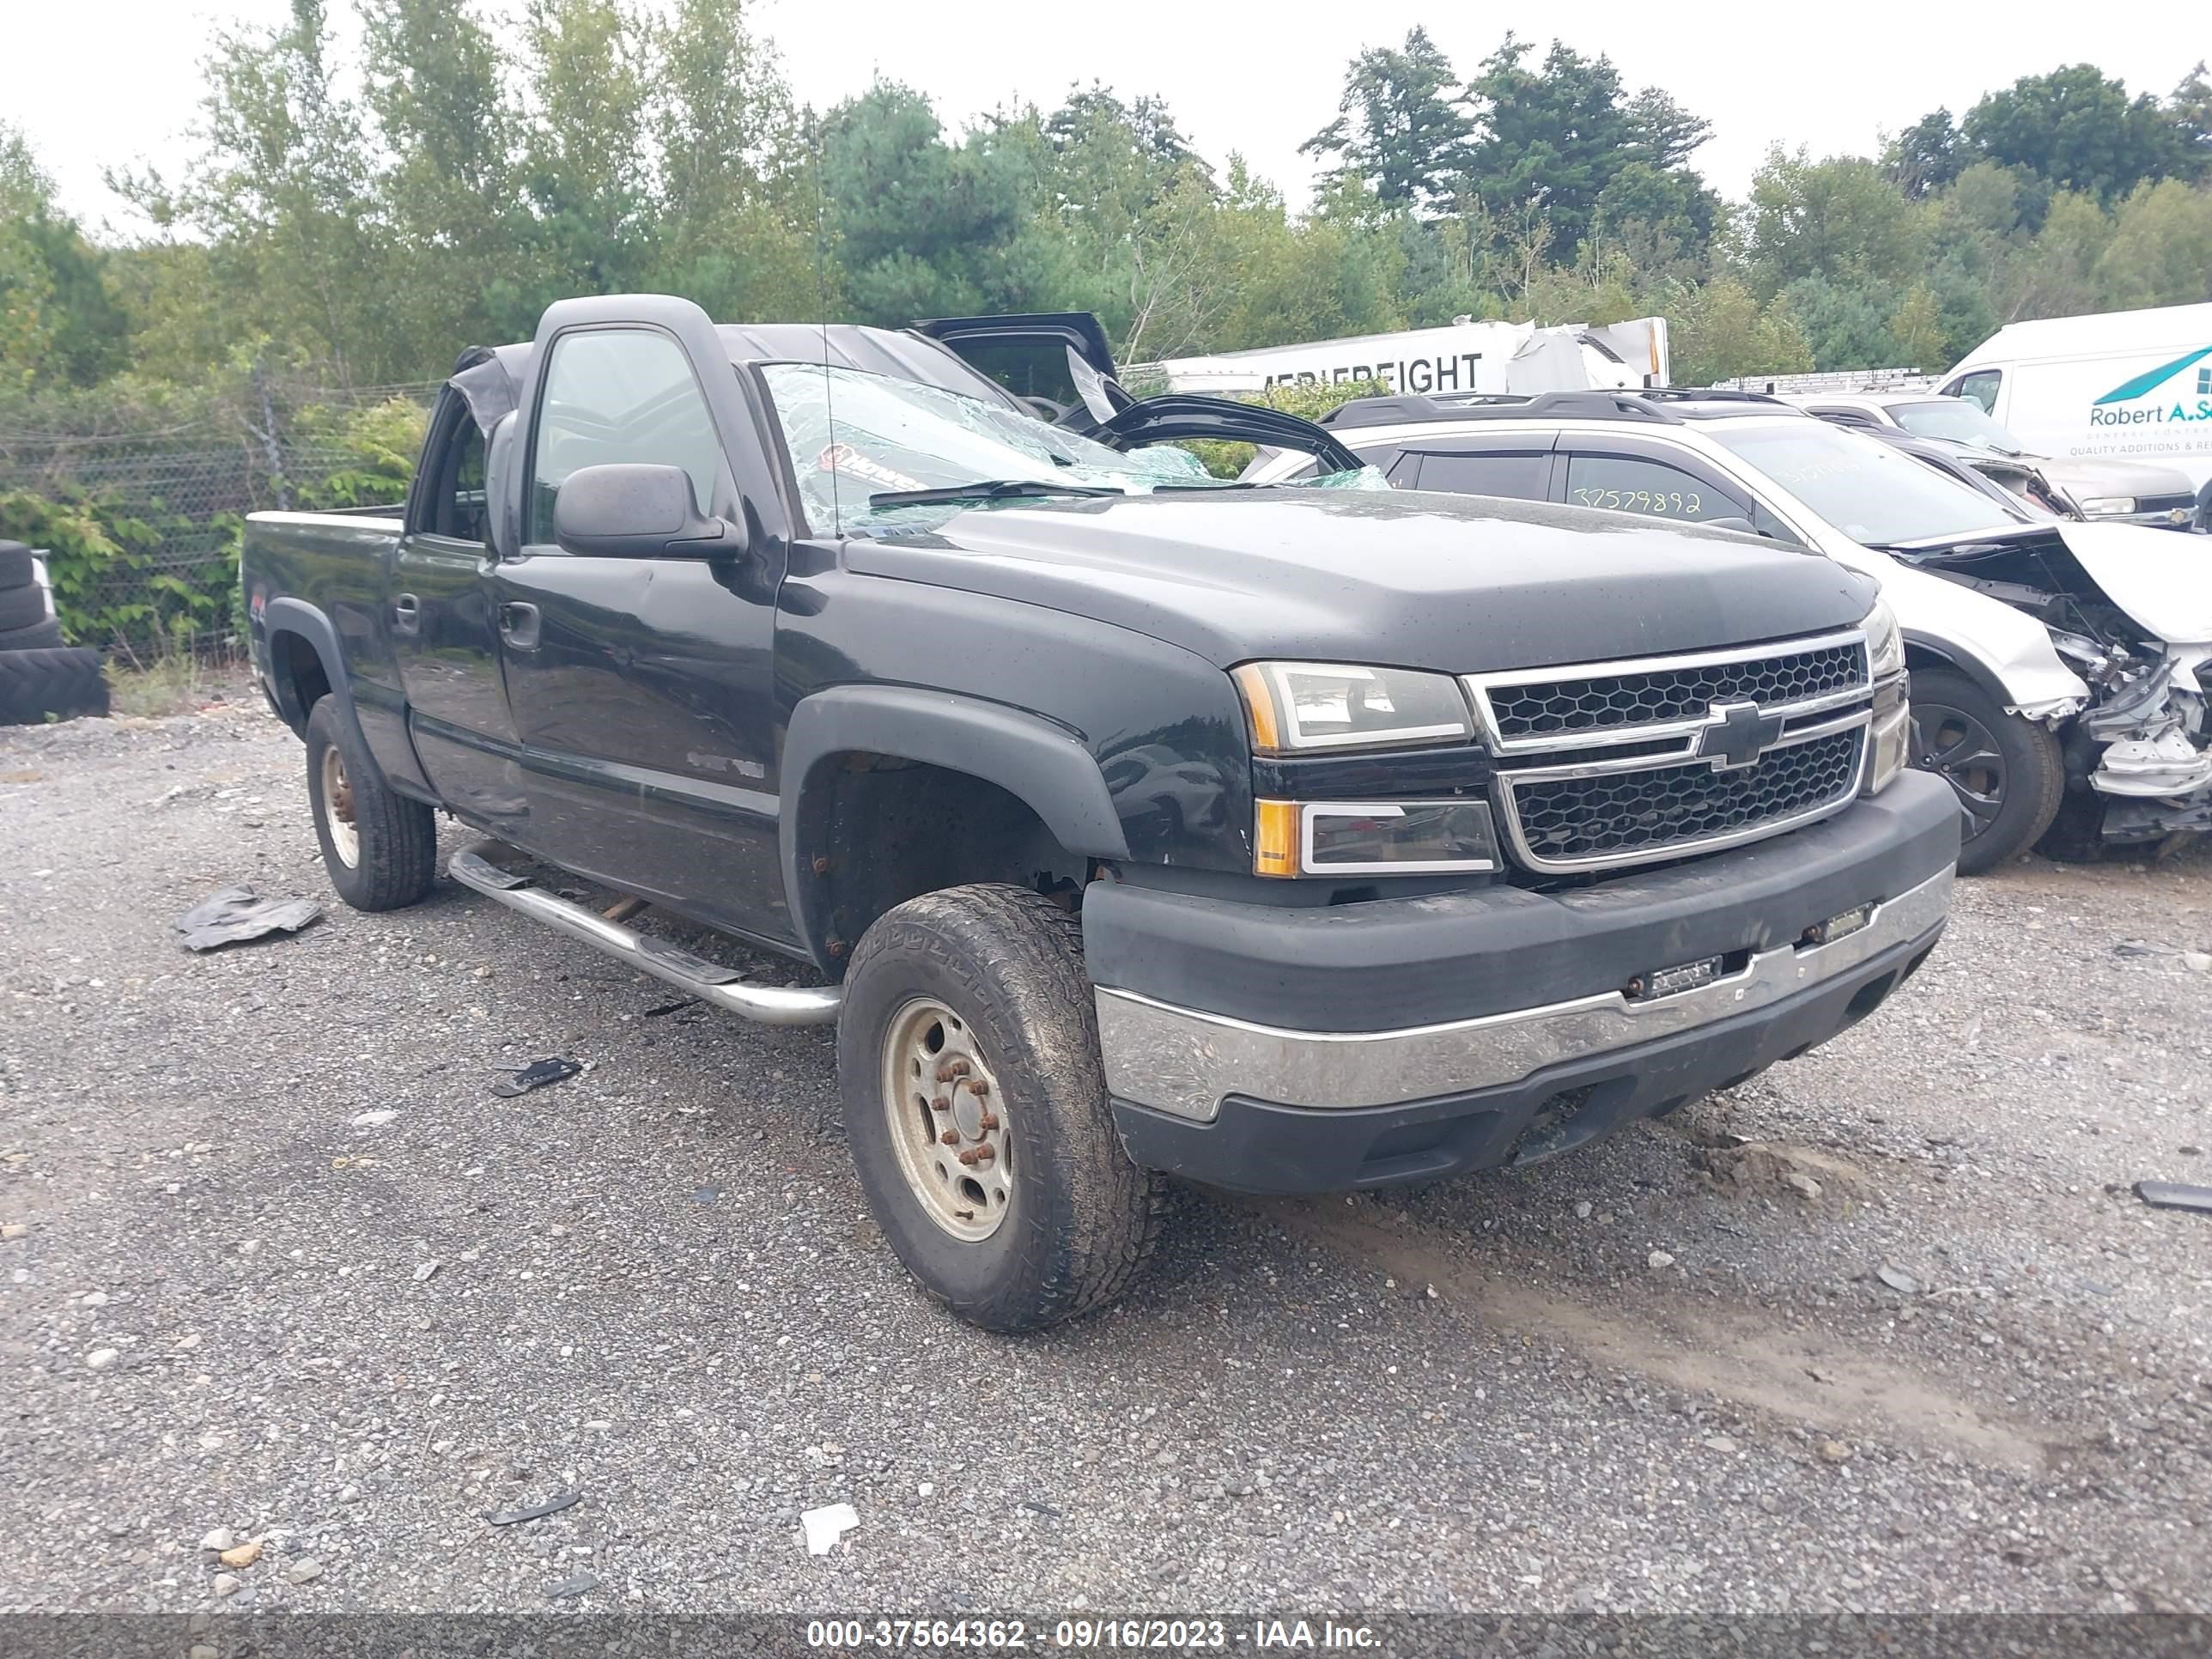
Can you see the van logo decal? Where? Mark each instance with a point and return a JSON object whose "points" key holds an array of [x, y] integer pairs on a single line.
{"points": [[2150, 379]]}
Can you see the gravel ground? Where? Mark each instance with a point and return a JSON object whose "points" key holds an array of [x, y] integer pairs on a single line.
{"points": [[278, 1262]]}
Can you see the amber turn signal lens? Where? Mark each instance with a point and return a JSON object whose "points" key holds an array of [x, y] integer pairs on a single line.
{"points": [[1260, 705], [1275, 838]]}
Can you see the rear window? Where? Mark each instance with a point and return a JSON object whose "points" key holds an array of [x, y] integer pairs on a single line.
{"points": [[1521, 477]]}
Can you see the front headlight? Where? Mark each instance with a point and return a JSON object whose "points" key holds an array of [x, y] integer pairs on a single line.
{"points": [[1885, 642], [2100, 506], [1296, 708]]}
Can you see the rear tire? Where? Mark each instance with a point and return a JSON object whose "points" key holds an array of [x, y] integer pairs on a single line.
{"points": [[380, 847], [2007, 772], [1057, 1221]]}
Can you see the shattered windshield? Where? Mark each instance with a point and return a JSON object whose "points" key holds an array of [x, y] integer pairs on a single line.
{"points": [[1956, 419], [1874, 495], [856, 437], [853, 435]]}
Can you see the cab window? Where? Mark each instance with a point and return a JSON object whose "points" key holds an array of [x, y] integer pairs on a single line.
{"points": [[619, 396], [1627, 483], [1979, 387], [454, 503]]}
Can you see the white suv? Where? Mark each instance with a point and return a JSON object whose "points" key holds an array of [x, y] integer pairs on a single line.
{"points": [[2055, 665]]}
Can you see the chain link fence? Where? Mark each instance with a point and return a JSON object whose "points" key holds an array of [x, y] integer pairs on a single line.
{"points": [[142, 527]]}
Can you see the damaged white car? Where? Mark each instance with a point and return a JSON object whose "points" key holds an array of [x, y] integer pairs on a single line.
{"points": [[2059, 669]]}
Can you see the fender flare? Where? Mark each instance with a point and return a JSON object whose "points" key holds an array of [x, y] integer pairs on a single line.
{"points": [[290, 616], [1947, 653], [1042, 765]]}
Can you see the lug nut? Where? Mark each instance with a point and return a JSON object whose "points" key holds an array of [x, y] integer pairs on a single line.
{"points": [[978, 1086], [950, 1137], [989, 1121], [942, 1104], [975, 1155]]}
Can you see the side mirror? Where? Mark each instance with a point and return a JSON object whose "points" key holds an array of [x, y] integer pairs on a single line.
{"points": [[634, 511]]}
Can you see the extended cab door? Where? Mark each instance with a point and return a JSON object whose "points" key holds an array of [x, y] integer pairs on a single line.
{"points": [[641, 687], [443, 627]]}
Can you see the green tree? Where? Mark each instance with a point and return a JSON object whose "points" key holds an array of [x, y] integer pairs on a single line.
{"points": [[584, 171], [2078, 129], [1661, 218], [736, 197], [926, 227], [2189, 110], [2161, 253], [1401, 129], [435, 82], [1839, 218], [63, 281], [1924, 157], [1719, 332], [2055, 274], [1845, 324], [1916, 326], [1553, 141], [281, 190]]}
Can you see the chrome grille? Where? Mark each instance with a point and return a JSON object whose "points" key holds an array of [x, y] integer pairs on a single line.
{"points": [[1604, 764], [1668, 696], [1580, 821]]}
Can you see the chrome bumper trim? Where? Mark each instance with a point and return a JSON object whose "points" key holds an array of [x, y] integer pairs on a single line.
{"points": [[1185, 1062]]}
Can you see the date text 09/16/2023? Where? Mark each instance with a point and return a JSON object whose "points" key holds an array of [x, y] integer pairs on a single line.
{"points": [[1089, 1634]]}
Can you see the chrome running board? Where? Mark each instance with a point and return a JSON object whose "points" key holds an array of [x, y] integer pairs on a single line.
{"points": [[710, 981]]}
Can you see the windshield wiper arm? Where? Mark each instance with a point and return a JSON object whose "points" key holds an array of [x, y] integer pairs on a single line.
{"points": [[987, 490]]}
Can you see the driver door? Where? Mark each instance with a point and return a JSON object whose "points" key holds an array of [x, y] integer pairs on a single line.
{"points": [[641, 688]]}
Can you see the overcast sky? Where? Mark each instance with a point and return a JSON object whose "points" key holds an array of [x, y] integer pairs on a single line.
{"points": [[97, 82]]}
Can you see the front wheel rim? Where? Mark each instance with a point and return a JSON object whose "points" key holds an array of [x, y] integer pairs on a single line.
{"points": [[947, 1119], [339, 811], [1963, 752]]}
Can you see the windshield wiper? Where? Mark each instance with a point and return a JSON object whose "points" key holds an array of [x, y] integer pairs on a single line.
{"points": [[987, 490]]}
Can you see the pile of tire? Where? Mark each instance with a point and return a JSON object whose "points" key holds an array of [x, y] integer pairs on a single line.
{"points": [[41, 678]]}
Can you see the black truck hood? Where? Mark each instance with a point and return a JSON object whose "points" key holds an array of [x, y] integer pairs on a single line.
{"points": [[1463, 584]]}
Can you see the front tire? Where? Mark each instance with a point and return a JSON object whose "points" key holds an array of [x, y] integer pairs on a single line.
{"points": [[380, 847], [1013, 1204], [2007, 772]]}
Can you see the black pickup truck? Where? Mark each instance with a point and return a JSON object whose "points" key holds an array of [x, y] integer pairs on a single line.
{"points": [[1286, 839]]}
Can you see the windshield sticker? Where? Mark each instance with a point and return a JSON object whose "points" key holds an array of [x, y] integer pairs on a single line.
{"points": [[843, 458]]}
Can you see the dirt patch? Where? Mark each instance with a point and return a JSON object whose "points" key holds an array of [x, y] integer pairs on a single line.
{"points": [[1784, 1173], [1795, 1374]]}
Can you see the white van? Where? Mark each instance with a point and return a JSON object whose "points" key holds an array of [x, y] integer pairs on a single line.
{"points": [[2125, 386]]}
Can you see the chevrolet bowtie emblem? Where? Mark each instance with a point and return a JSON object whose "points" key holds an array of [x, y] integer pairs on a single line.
{"points": [[1736, 734]]}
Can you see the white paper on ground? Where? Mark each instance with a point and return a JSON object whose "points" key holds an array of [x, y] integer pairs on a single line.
{"points": [[825, 1526]]}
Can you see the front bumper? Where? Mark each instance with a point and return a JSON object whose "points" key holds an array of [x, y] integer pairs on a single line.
{"points": [[1344, 1102]]}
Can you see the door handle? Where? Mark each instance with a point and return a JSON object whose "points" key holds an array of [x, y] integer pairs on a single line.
{"points": [[406, 613], [517, 625]]}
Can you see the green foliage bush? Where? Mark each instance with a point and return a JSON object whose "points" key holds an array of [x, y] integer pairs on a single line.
{"points": [[138, 573]]}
